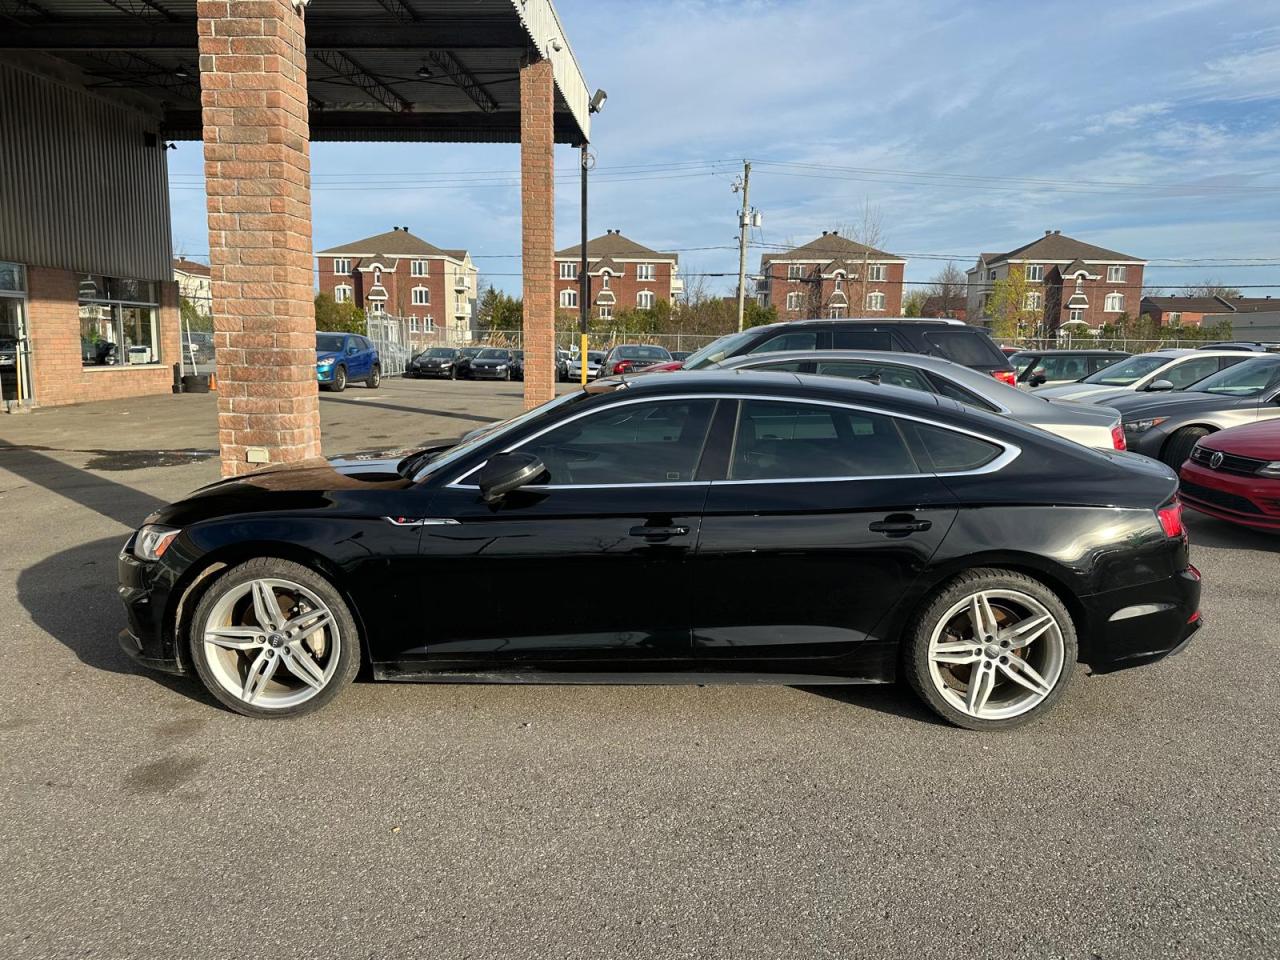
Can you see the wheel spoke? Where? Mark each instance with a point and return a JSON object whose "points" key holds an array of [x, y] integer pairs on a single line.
{"points": [[236, 638], [961, 651], [982, 617], [260, 673], [308, 623], [1019, 671], [298, 661], [1022, 634], [265, 607], [980, 684]]}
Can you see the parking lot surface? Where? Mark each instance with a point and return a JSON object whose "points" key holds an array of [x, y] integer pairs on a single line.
{"points": [[139, 819]]}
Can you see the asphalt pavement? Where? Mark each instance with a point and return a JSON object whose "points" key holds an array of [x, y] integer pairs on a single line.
{"points": [[140, 819]]}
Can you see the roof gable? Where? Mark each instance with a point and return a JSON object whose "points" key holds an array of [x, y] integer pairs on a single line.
{"points": [[1057, 246], [614, 245], [827, 248], [393, 244]]}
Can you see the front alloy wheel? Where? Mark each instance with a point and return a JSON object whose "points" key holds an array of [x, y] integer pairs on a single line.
{"points": [[273, 638], [994, 649]]}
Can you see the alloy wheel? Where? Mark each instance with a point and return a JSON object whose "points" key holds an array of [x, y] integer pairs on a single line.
{"points": [[996, 654], [272, 643]]}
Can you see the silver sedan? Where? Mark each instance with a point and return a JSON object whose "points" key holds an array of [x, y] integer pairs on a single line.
{"points": [[1088, 424]]}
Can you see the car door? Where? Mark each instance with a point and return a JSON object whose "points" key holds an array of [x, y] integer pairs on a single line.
{"points": [[590, 565], [824, 519]]}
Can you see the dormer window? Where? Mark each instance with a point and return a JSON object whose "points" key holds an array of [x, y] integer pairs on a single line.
{"points": [[604, 280]]}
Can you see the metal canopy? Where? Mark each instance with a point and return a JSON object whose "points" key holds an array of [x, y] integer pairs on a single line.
{"points": [[414, 70]]}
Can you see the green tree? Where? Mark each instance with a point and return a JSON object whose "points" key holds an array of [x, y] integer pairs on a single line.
{"points": [[335, 317], [1007, 306], [913, 305], [192, 319]]}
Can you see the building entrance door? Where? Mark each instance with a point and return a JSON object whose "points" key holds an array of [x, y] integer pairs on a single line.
{"points": [[15, 351]]}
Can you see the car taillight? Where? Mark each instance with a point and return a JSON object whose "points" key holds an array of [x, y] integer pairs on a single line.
{"points": [[1170, 517], [622, 366], [1006, 376], [1117, 437]]}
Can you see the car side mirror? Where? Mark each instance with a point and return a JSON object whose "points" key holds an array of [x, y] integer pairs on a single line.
{"points": [[1160, 386], [1037, 379], [506, 472]]}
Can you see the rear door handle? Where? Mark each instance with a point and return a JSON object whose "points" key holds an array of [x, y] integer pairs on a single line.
{"points": [[899, 525], [659, 533]]}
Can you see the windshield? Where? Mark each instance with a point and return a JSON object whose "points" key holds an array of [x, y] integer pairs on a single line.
{"points": [[421, 467], [1021, 361], [1128, 371], [643, 353], [442, 353], [468, 351], [717, 350], [329, 342], [1242, 380]]}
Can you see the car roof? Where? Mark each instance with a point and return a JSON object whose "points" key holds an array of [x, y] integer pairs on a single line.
{"points": [[1074, 353], [921, 321]]}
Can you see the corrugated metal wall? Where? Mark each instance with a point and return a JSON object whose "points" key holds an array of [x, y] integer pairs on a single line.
{"points": [[79, 186]]}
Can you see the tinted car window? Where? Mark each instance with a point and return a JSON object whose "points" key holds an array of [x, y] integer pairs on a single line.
{"points": [[643, 353], [967, 347], [330, 342], [952, 452], [1186, 373], [1061, 368], [1244, 380], [776, 440], [781, 366], [1101, 363], [493, 353], [862, 340], [886, 372], [657, 442], [958, 393], [800, 340], [1127, 371]]}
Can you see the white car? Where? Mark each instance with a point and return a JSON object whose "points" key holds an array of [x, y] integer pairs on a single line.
{"points": [[1152, 372], [594, 359]]}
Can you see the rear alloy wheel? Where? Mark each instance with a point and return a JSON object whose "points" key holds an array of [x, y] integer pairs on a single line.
{"points": [[1178, 447], [994, 649], [271, 638], [374, 378]]}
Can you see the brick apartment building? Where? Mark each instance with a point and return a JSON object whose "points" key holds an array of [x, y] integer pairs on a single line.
{"points": [[401, 275], [1192, 311], [623, 274], [1072, 283], [832, 276]]}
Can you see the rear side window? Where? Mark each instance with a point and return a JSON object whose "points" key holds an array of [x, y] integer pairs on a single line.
{"points": [[967, 347], [800, 340], [1101, 363], [958, 393], [862, 339], [1187, 373], [951, 452], [885, 372], [777, 440]]}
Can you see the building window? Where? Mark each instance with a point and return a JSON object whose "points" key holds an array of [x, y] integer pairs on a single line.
{"points": [[991, 274], [1075, 316], [1034, 301], [377, 308], [795, 271], [875, 301], [1035, 271], [604, 280], [421, 297], [793, 301], [341, 265], [875, 272], [377, 276], [606, 313], [1115, 273], [1175, 318], [118, 322], [417, 268], [568, 271], [1114, 303], [568, 298], [415, 325], [839, 285], [342, 293], [644, 271], [645, 299], [836, 313]]}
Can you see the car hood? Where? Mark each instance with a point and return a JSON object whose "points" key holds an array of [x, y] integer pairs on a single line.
{"points": [[1261, 440], [1139, 405]]}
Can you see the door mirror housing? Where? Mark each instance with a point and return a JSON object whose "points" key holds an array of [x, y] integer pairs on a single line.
{"points": [[506, 472], [1037, 379], [1160, 386]]}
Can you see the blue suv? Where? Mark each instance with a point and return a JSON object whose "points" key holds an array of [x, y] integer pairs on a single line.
{"points": [[341, 357]]}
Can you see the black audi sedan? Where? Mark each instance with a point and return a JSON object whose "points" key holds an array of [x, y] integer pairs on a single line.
{"points": [[798, 530]]}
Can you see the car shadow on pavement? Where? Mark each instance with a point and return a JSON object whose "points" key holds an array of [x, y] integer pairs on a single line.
{"points": [[894, 699], [122, 503], [1212, 532], [450, 414]]}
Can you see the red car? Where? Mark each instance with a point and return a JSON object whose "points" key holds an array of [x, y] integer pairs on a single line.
{"points": [[1234, 475]]}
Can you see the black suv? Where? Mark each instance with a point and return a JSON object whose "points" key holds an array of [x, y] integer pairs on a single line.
{"points": [[950, 339]]}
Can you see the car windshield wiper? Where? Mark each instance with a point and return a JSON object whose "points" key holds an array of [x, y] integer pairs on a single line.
{"points": [[415, 461]]}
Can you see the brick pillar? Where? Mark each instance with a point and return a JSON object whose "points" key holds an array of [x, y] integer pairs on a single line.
{"points": [[537, 207], [253, 83]]}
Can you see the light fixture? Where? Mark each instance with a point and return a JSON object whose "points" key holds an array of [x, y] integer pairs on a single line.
{"points": [[597, 101], [555, 44], [424, 72]]}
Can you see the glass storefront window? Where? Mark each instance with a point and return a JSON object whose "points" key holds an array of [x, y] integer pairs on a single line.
{"points": [[119, 322]]}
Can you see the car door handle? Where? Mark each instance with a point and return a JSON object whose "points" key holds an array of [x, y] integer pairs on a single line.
{"points": [[659, 533], [899, 524]]}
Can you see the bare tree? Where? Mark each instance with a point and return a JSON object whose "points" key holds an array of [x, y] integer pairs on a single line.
{"points": [[949, 288], [1211, 288], [868, 230]]}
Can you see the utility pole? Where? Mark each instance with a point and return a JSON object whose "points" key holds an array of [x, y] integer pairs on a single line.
{"points": [[584, 281], [744, 223]]}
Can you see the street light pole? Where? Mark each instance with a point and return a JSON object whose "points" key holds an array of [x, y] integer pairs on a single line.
{"points": [[744, 222], [584, 282]]}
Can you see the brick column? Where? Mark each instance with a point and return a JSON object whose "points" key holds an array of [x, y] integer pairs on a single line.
{"points": [[537, 207], [253, 82]]}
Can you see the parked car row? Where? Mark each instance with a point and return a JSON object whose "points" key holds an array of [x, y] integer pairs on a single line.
{"points": [[477, 363]]}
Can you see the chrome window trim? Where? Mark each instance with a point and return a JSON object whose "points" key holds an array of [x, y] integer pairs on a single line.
{"points": [[1011, 451]]}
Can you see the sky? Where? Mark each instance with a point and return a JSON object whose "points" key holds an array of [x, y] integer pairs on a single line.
{"points": [[1148, 127]]}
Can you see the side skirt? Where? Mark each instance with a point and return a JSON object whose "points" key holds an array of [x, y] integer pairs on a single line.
{"points": [[416, 673]]}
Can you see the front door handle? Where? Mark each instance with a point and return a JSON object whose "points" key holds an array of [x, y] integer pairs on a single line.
{"points": [[659, 533], [899, 525]]}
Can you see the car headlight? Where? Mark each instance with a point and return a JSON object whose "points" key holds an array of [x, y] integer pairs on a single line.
{"points": [[1271, 469], [501, 366], [1142, 426], [153, 540], [325, 365]]}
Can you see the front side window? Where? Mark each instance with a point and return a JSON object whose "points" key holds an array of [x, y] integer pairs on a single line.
{"points": [[330, 343], [1244, 379], [119, 322], [421, 296], [862, 340], [875, 301], [801, 340], [418, 268], [1061, 367], [1128, 371], [779, 440], [657, 442]]}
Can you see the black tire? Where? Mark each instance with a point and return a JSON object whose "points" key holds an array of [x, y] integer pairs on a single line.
{"points": [[1178, 447], [915, 644], [374, 378], [339, 382], [273, 567]]}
